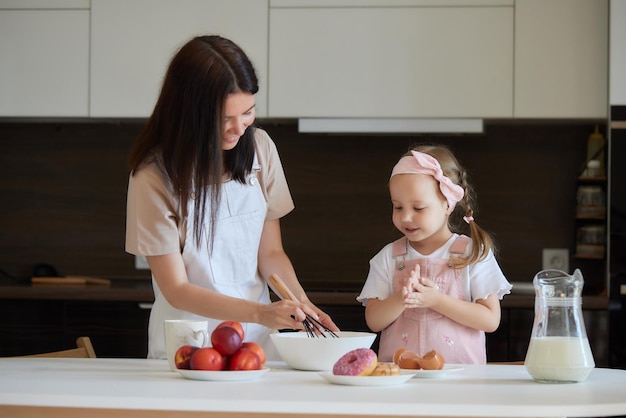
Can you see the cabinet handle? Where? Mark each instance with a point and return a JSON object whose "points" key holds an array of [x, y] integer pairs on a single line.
{"points": [[145, 305]]}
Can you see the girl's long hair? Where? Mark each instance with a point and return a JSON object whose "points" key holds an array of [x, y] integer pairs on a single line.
{"points": [[184, 133]]}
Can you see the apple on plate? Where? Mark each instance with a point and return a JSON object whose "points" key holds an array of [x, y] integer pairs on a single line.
{"points": [[206, 358], [226, 340], [257, 349], [183, 356], [244, 359], [233, 324]]}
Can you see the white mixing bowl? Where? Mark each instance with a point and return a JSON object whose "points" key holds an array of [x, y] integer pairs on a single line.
{"points": [[302, 352]]}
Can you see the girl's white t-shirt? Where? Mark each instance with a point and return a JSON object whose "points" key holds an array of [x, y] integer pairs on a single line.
{"points": [[479, 280]]}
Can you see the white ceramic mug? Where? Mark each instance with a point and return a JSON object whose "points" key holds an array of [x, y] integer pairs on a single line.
{"points": [[179, 332]]}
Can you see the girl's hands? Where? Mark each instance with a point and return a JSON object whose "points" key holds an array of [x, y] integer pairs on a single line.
{"points": [[412, 281], [419, 292]]}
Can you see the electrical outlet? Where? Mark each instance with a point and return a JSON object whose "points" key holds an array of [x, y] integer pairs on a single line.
{"points": [[556, 258], [141, 263]]}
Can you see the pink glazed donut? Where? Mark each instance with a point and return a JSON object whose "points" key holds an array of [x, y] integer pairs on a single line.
{"points": [[358, 362]]}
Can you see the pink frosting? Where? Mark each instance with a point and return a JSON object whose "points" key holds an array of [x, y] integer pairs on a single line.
{"points": [[354, 362]]}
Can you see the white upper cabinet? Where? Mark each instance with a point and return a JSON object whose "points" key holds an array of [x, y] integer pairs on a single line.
{"points": [[132, 42], [561, 58], [322, 58], [398, 59], [617, 77], [44, 58]]}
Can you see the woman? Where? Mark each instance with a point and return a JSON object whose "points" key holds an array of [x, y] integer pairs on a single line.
{"points": [[205, 195]]}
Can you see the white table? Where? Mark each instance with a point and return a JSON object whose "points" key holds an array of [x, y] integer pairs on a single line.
{"points": [[147, 388]]}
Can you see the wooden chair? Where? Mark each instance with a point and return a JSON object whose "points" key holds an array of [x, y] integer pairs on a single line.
{"points": [[84, 350]]}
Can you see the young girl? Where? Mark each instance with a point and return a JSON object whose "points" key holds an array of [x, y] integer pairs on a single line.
{"points": [[434, 289]]}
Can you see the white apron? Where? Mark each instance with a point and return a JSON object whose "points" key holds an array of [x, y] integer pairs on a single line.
{"points": [[232, 267]]}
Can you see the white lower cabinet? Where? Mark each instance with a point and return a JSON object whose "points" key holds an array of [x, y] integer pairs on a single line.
{"points": [[132, 42], [44, 62], [391, 62]]}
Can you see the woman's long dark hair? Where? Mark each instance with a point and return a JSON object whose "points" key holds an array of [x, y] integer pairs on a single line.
{"points": [[184, 133]]}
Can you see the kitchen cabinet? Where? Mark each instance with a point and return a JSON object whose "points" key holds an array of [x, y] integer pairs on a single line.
{"points": [[561, 59], [617, 54], [43, 318], [44, 70], [116, 328], [391, 59], [344, 58], [132, 42]]}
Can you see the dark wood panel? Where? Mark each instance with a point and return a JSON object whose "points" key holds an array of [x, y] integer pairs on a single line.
{"points": [[63, 196], [116, 329], [29, 327], [525, 176], [63, 190]]}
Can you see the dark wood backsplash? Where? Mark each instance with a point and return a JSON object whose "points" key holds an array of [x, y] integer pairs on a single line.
{"points": [[63, 195]]}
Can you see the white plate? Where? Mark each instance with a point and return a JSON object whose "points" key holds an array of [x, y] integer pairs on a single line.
{"points": [[447, 368], [222, 375], [369, 380]]}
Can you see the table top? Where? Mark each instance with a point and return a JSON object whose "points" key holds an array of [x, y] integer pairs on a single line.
{"points": [[140, 385]]}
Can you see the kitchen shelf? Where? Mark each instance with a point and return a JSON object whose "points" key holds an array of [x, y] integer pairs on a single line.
{"points": [[591, 217], [595, 179], [588, 257]]}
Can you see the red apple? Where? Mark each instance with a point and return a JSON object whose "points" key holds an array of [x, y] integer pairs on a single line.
{"points": [[257, 349], [183, 356], [225, 364], [234, 324], [244, 359], [206, 358], [226, 340]]}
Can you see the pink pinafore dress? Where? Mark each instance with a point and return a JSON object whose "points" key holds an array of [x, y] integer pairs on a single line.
{"points": [[423, 329]]}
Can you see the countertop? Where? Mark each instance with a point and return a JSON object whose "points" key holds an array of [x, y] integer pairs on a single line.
{"points": [[140, 290], [147, 388], [119, 290]]}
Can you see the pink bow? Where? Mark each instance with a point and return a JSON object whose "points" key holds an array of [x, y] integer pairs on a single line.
{"points": [[421, 163]]}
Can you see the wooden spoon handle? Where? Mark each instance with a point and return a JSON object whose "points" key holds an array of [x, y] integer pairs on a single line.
{"points": [[281, 288]]}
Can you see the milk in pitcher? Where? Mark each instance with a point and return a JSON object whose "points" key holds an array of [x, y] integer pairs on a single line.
{"points": [[559, 359]]}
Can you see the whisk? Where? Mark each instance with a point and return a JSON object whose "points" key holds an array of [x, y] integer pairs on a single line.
{"points": [[312, 326]]}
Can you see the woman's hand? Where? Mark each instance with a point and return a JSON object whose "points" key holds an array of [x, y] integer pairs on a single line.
{"points": [[287, 314], [324, 318], [283, 314]]}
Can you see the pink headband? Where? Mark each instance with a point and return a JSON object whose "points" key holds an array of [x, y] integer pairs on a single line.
{"points": [[421, 163]]}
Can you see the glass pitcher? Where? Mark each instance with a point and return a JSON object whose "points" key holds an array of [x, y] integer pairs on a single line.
{"points": [[559, 350]]}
